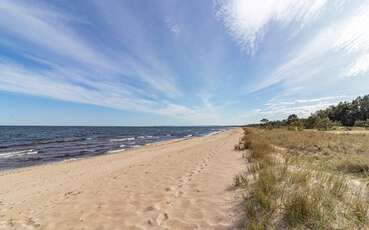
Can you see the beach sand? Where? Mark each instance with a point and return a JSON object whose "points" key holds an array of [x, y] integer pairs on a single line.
{"points": [[179, 184]]}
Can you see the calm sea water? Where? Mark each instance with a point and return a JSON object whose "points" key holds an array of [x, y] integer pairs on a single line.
{"points": [[30, 145]]}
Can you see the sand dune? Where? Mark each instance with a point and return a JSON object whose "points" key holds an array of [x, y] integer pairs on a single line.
{"points": [[181, 184]]}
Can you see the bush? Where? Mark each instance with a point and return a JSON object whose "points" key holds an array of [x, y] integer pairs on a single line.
{"points": [[324, 124], [296, 126], [311, 122], [362, 123]]}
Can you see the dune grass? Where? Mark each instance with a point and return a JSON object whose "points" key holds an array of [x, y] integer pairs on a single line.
{"points": [[339, 153], [288, 184]]}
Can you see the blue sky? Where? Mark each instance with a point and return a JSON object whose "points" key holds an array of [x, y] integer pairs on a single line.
{"points": [[172, 62]]}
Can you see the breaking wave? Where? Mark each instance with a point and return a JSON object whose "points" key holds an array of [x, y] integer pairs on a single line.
{"points": [[20, 153]]}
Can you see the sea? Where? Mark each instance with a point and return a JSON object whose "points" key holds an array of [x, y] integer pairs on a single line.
{"points": [[22, 146]]}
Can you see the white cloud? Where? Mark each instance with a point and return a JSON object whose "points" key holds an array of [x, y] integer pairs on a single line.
{"points": [[360, 66], [353, 39], [352, 36], [53, 84], [338, 49], [305, 64], [247, 20], [173, 27]]}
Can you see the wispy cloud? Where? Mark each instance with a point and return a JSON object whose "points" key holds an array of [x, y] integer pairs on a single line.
{"points": [[48, 30], [336, 48], [73, 69], [52, 31], [173, 27], [248, 20], [324, 46], [53, 84]]}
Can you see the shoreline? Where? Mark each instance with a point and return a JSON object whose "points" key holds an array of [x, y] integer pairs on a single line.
{"points": [[168, 184], [109, 152], [87, 157], [165, 185]]}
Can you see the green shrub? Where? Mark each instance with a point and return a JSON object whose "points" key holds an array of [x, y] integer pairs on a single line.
{"points": [[362, 123], [311, 122], [324, 124]]}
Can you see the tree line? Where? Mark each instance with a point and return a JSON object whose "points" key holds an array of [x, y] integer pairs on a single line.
{"points": [[354, 113]]}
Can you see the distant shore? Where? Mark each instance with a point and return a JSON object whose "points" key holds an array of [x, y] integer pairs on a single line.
{"points": [[175, 184]]}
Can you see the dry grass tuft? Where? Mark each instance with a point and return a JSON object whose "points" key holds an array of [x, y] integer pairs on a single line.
{"points": [[240, 180], [303, 209], [360, 211]]}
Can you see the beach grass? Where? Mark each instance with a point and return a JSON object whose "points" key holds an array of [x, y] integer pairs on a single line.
{"points": [[304, 179]]}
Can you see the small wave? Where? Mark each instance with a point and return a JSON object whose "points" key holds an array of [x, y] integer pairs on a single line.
{"points": [[116, 151], [73, 159], [190, 135], [18, 153], [213, 133], [148, 137], [59, 140], [123, 139], [122, 146]]}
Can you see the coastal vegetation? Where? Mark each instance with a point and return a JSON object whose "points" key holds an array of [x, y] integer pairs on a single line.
{"points": [[304, 180], [344, 114], [308, 173]]}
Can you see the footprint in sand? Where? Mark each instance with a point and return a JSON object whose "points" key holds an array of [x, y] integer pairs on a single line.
{"points": [[31, 222], [159, 219], [178, 191], [72, 193]]}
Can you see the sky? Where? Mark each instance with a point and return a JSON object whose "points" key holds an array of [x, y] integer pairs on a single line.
{"points": [[175, 62]]}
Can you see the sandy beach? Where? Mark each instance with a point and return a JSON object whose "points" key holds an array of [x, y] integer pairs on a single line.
{"points": [[179, 184]]}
